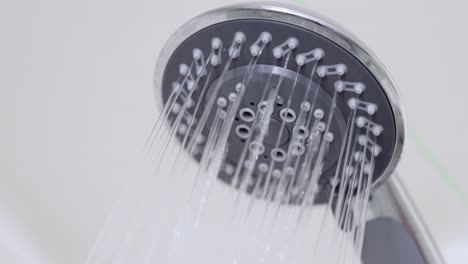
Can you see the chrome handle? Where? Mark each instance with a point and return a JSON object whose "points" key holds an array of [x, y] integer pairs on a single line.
{"points": [[395, 227]]}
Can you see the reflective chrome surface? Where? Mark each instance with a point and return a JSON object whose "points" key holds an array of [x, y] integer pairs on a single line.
{"points": [[302, 18], [392, 201]]}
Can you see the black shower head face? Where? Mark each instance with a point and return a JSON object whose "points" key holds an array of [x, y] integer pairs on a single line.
{"points": [[293, 104]]}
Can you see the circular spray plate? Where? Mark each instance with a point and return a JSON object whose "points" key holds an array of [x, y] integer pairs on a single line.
{"points": [[286, 111], [271, 137]]}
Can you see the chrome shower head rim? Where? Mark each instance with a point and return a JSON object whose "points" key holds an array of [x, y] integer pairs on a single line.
{"points": [[307, 20]]}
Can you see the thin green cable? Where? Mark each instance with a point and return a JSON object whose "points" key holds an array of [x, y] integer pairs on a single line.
{"points": [[449, 179], [300, 2], [442, 171]]}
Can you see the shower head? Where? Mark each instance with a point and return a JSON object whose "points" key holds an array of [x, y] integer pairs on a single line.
{"points": [[280, 98]]}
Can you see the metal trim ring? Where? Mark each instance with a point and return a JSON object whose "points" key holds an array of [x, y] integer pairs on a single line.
{"points": [[308, 20]]}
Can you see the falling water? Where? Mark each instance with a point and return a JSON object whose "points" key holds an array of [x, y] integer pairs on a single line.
{"points": [[252, 164]]}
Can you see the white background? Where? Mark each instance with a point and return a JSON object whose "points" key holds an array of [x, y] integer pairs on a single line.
{"points": [[76, 103]]}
